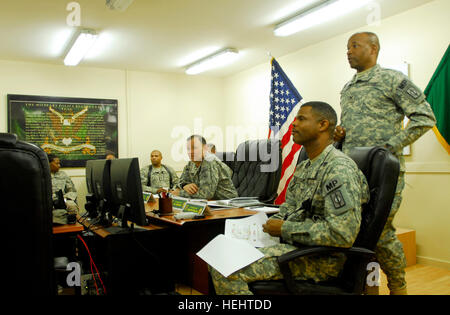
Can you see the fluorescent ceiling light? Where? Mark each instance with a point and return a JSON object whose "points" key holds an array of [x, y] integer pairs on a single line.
{"points": [[318, 15], [291, 9], [80, 47], [218, 59]]}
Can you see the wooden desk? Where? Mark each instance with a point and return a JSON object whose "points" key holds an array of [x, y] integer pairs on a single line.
{"points": [[133, 260], [195, 234], [103, 233], [176, 242], [65, 245], [68, 228], [233, 213]]}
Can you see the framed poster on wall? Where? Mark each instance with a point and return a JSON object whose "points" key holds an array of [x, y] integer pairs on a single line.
{"points": [[75, 129]]}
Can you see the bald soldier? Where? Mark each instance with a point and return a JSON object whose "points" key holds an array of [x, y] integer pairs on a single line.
{"points": [[374, 104], [158, 177], [314, 213]]}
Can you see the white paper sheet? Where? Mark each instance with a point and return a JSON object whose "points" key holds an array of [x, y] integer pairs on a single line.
{"points": [[218, 204], [228, 255], [250, 230], [267, 210]]}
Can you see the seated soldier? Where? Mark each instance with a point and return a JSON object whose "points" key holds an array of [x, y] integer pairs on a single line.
{"points": [[315, 212], [158, 177], [204, 178], [64, 193]]}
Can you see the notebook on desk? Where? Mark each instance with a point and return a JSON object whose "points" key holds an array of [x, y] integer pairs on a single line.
{"points": [[239, 202]]}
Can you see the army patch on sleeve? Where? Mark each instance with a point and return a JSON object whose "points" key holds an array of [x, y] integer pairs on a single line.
{"points": [[410, 90], [338, 201], [413, 92], [332, 185], [403, 84]]}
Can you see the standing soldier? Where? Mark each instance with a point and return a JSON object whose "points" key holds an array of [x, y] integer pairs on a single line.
{"points": [[374, 104]]}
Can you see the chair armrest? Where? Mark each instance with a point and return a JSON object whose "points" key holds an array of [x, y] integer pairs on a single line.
{"points": [[314, 250], [283, 260], [270, 200]]}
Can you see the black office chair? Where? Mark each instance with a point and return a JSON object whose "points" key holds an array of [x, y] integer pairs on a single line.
{"points": [[302, 156], [26, 203], [227, 158], [257, 169], [381, 169]]}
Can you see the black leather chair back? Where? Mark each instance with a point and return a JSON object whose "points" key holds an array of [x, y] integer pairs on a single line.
{"points": [[26, 203], [227, 158], [257, 169], [381, 169], [302, 156]]}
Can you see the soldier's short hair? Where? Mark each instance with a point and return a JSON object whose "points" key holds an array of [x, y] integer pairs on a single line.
{"points": [[51, 157], [324, 111], [156, 151], [373, 39], [198, 137]]}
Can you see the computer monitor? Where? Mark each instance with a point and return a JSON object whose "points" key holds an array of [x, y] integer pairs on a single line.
{"points": [[126, 191], [91, 204], [89, 177], [99, 187]]}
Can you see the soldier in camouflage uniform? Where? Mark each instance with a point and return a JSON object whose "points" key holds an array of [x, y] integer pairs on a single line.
{"points": [[323, 207], [374, 104], [61, 181], [161, 178], [205, 177]]}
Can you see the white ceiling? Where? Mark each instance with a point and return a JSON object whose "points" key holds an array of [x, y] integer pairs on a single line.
{"points": [[167, 35]]}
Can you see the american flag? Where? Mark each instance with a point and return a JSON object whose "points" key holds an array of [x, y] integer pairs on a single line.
{"points": [[285, 101]]}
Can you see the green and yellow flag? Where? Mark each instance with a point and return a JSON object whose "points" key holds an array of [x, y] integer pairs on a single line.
{"points": [[438, 95]]}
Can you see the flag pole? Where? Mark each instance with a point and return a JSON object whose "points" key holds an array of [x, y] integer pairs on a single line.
{"points": [[271, 65]]}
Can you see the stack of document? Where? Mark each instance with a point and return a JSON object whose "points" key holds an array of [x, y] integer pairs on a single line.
{"points": [[237, 248], [239, 202], [268, 210]]}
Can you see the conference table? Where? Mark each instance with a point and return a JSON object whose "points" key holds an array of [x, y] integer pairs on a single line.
{"points": [[68, 228], [193, 235], [175, 241]]}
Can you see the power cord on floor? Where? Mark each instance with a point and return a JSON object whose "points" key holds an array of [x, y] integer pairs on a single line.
{"points": [[92, 264]]}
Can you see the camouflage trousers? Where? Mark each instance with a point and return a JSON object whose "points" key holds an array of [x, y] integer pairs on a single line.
{"points": [[389, 249], [267, 268]]}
